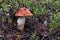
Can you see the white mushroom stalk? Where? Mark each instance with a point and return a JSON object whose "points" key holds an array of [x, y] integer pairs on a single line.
{"points": [[21, 23]]}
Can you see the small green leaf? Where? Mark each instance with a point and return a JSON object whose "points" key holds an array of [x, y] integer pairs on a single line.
{"points": [[9, 20]]}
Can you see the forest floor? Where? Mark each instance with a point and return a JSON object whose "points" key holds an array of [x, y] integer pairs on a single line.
{"points": [[34, 29]]}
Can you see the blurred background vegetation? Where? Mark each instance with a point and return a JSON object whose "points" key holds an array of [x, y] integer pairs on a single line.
{"points": [[39, 7]]}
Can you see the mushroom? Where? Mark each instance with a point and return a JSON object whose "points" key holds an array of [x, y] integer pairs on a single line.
{"points": [[21, 14]]}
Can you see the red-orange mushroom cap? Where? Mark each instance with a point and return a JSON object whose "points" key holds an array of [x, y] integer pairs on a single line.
{"points": [[23, 12]]}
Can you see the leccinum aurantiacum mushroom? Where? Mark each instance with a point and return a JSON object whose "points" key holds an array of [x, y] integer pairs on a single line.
{"points": [[21, 13]]}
